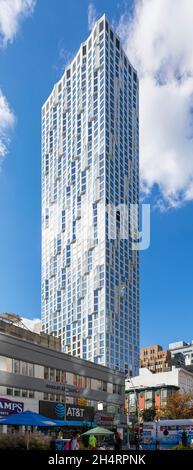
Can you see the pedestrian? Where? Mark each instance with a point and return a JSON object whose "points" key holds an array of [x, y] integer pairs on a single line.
{"points": [[118, 441], [137, 441], [92, 442], [184, 439], [74, 445], [60, 435], [52, 444]]}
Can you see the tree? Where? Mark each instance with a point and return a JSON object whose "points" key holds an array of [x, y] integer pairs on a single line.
{"points": [[179, 406], [149, 414]]}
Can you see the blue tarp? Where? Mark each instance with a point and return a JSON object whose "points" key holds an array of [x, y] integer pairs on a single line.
{"points": [[75, 423], [29, 418]]}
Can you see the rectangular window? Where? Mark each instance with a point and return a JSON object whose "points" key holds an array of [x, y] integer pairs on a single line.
{"points": [[101, 26], [24, 368], [31, 370], [16, 366]]}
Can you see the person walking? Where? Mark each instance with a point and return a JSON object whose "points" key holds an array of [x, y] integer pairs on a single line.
{"points": [[118, 442], [74, 445], [184, 439], [137, 441], [92, 442]]}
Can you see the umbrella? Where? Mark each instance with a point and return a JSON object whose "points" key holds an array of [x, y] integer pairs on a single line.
{"points": [[98, 431], [30, 418]]}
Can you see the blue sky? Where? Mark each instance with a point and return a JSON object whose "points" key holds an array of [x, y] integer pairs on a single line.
{"points": [[29, 67]]}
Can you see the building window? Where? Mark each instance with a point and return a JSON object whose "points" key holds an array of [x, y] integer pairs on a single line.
{"points": [[46, 373], [31, 370], [101, 26], [57, 375], [104, 386], [16, 366], [52, 375], [24, 368], [117, 43]]}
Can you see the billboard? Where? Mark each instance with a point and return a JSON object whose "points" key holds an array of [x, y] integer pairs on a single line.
{"points": [[56, 410], [8, 407]]}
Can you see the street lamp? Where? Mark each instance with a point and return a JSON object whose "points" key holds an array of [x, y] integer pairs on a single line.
{"points": [[136, 404], [65, 403]]}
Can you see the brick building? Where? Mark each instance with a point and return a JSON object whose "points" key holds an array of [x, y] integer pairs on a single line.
{"points": [[155, 358]]}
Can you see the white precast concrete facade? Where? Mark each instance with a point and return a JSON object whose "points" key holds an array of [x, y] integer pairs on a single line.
{"points": [[181, 378], [90, 159]]}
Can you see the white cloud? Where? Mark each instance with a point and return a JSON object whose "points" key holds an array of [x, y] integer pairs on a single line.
{"points": [[158, 38], [33, 324], [7, 120], [12, 13], [92, 15]]}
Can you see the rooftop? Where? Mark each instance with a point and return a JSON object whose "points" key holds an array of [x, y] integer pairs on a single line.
{"points": [[17, 328]]}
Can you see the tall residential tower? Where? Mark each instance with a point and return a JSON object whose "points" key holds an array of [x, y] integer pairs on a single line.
{"points": [[90, 176]]}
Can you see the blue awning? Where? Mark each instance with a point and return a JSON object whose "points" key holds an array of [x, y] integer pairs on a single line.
{"points": [[75, 423], [28, 418]]}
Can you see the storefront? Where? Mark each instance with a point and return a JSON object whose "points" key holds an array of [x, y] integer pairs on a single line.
{"points": [[35, 376], [8, 407], [74, 416]]}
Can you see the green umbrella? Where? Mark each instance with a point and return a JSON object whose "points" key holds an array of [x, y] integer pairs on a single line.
{"points": [[97, 432]]}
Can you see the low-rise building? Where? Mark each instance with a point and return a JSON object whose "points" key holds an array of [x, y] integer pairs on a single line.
{"points": [[151, 390], [183, 348], [155, 358], [35, 374]]}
